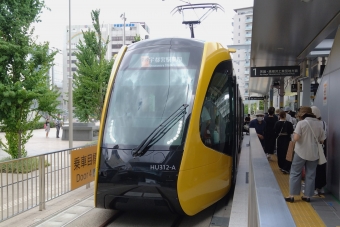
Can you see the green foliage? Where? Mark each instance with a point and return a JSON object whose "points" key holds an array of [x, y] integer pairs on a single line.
{"points": [[21, 166], [92, 76], [245, 108], [261, 105], [253, 108], [24, 83], [136, 38]]}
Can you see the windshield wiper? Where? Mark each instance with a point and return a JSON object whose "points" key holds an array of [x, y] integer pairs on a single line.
{"points": [[159, 131]]}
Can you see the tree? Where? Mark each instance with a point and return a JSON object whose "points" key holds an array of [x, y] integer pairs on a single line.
{"points": [[25, 94], [136, 38], [92, 76], [245, 109], [261, 105]]}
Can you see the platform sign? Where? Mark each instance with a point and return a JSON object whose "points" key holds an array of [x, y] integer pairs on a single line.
{"points": [[255, 98], [314, 87], [83, 166], [293, 87], [275, 71]]}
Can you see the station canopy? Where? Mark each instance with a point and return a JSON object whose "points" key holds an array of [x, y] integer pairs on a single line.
{"points": [[286, 32]]}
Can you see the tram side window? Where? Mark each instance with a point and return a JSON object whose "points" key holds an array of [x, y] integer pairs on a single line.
{"points": [[215, 110]]}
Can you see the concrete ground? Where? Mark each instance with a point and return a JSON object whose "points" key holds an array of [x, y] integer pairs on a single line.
{"points": [[39, 144]]}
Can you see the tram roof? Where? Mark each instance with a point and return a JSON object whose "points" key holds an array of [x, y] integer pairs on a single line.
{"points": [[286, 32]]}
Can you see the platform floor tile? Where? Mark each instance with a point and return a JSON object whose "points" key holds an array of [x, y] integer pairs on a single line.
{"points": [[303, 213]]}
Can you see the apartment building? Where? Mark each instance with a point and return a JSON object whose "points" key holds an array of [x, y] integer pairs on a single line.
{"points": [[242, 30]]}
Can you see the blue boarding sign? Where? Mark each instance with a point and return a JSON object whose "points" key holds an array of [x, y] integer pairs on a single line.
{"points": [[274, 71]]}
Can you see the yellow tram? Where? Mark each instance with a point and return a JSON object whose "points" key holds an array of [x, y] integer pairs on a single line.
{"points": [[171, 127]]}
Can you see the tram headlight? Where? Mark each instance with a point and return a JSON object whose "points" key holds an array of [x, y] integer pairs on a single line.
{"points": [[177, 133]]}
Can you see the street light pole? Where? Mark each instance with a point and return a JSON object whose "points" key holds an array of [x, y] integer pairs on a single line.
{"points": [[123, 17], [70, 98]]}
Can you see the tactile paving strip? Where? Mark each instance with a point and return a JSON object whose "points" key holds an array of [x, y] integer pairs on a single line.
{"points": [[303, 213]]}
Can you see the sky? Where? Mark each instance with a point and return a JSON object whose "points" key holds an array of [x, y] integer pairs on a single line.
{"points": [[155, 13]]}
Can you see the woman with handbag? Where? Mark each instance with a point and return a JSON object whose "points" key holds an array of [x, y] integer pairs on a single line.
{"points": [[283, 130], [307, 135]]}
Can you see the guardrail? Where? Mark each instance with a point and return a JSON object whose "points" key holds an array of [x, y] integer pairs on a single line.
{"points": [[266, 204], [32, 181]]}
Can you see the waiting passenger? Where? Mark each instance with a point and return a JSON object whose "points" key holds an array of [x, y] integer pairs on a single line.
{"points": [[246, 124], [259, 124], [283, 130], [320, 177], [269, 141], [306, 154]]}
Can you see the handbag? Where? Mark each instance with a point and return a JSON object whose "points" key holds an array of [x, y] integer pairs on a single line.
{"points": [[290, 151], [322, 158], [279, 135]]}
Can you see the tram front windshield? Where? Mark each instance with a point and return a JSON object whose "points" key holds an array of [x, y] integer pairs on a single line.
{"points": [[150, 85]]}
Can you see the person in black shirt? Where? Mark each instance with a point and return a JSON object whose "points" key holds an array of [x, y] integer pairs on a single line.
{"points": [[283, 130], [259, 124], [270, 138], [246, 124]]}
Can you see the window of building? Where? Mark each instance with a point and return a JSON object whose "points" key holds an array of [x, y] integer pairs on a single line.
{"points": [[117, 38], [238, 34], [238, 70], [74, 68], [238, 41], [215, 128], [239, 26], [239, 19], [116, 46], [238, 55]]}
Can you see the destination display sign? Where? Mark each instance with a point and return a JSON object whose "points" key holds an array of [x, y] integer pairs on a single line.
{"points": [[275, 71], [164, 59], [255, 98]]}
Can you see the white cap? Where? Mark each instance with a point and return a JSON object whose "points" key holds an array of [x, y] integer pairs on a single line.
{"points": [[316, 111], [259, 112]]}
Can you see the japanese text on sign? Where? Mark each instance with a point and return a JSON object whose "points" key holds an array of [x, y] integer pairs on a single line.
{"points": [[83, 165], [275, 71], [176, 59]]}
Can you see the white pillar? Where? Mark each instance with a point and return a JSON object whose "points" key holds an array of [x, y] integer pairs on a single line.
{"points": [[70, 98]]}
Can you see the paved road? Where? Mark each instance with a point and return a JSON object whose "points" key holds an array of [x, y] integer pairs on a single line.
{"points": [[39, 144]]}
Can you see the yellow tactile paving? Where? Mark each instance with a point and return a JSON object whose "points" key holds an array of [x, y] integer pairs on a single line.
{"points": [[302, 212]]}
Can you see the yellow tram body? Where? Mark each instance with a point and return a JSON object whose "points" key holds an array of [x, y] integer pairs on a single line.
{"points": [[204, 174], [206, 167]]}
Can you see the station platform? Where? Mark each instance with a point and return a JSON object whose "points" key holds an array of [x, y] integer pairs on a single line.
{"points": [[76, 208], [323, 210]]}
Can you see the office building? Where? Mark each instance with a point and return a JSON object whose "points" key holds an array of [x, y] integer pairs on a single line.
{"points": [[114, 32]]}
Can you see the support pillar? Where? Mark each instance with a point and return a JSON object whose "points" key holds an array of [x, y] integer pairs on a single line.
{"points": [[271, 96], [306, 86], [282, 91]]}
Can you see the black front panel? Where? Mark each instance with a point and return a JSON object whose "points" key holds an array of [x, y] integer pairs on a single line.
{"points": [[146, 122]]}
